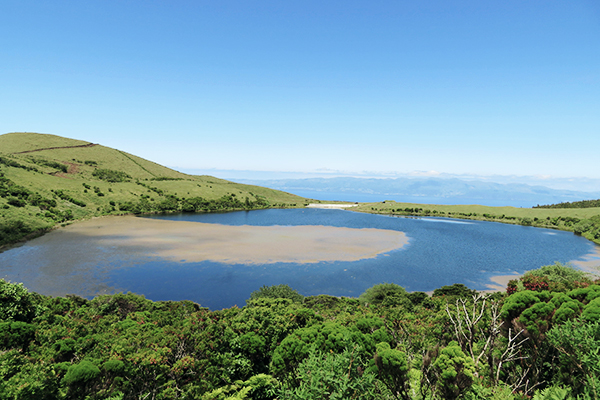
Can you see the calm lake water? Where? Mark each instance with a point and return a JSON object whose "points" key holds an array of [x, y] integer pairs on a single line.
{"points": [[440, 252]]}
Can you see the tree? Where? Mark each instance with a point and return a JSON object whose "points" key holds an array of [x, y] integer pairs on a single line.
{"points": [[16, 303], [387, 294], [391, 367], [455, 371], [277, 292]]}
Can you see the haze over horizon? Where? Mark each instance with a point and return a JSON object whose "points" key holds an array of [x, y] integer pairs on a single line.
{"points": [[468, 89]]}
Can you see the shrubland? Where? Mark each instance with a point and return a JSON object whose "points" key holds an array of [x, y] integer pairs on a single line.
{"points": [[540, 339]]}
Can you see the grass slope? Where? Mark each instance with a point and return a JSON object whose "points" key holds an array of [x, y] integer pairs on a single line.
{"points": [[49, 180]]}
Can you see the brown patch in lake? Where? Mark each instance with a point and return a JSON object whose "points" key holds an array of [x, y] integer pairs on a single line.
{"points": [[499, 282], [195, 242], [590, 262]]}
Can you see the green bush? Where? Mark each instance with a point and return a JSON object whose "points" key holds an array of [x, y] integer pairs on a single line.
{"points": [[16, 303], [16, 334], [81, 373], [324, 375], [277, 292], [458, 289], [455, 371], [110, 175], [391, 367], [388, 293]]}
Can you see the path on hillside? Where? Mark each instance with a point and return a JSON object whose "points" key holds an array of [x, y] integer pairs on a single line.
{"points": [[55, 148]]}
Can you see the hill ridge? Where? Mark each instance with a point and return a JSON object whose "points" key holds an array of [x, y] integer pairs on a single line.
{"points": [[56, 148]]}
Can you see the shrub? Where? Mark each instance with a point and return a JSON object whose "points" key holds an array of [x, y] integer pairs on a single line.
{"points": [[16, 202], [458, 289], [455, 371], [535, 283], [324, 375], [277, 292], [16, 334], [111, 176], [392, 367], [378, 294], [82, 372], [16, 303]]}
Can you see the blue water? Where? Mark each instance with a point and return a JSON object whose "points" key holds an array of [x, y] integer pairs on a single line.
{"points": [[440, 252]]}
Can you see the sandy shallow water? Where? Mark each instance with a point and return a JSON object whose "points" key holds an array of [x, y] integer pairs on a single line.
{"points": [[196, 242]]}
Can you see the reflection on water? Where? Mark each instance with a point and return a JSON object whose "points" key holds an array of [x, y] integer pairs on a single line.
{"points": [[437, 254], [445, 221]]}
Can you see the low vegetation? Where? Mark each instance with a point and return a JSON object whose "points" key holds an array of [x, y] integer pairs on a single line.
{"points": [[540, 339], [573, 204]]}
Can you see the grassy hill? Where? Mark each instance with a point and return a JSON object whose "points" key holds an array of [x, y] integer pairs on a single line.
{"points": [[47, 180]]}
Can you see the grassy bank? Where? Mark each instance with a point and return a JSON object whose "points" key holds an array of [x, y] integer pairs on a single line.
{"points": [[583, 221]]}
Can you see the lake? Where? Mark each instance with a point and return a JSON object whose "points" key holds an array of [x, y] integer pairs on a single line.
{"points": [[315, 251]]}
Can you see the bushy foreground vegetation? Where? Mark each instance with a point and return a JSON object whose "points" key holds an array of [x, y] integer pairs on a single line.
{"points": [[540, 339]]}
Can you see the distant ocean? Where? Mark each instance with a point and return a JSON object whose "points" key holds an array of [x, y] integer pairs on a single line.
{"points": [[371, 198]]}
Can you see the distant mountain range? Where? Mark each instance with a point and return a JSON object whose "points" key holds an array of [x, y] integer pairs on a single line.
{"points": [[424, 190]]}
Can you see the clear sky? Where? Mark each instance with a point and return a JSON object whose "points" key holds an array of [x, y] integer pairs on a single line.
{"points": [[460, 87]]}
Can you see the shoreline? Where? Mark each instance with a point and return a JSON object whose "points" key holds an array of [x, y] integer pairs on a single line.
{"points": [[331, 206], [590, 262], [500, 282]]}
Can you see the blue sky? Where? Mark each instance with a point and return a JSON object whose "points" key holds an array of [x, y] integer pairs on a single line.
{"points": [[457, 87]]}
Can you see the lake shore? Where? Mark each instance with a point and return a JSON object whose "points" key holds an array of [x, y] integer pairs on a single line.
{"points": [[333, 206], [590, 262], [499, 282]]}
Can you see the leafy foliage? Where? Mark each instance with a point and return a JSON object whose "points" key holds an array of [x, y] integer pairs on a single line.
{"points": [[385, 294], [16, 303], [455, 371], [457, 289], [331, 376], [110, 175], [277, 292], [392, 367]]}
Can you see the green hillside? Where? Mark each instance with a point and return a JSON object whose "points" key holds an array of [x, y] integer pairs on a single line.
{"points": [[47, 180]]}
